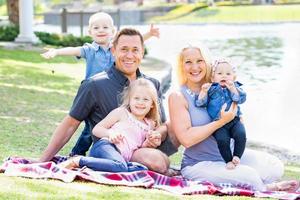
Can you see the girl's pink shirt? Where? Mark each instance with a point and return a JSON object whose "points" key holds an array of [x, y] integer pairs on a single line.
{"points": [[134, 132]]}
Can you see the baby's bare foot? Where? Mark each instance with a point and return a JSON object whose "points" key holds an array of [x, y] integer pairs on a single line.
{"points": [[230, 165], [287, 186], [236, 160]]}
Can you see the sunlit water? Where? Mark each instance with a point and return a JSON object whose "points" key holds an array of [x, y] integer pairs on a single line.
{"points": [[267, 58]]}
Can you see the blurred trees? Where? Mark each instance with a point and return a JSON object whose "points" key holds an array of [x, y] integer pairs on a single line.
{"points": [[13, 11]]}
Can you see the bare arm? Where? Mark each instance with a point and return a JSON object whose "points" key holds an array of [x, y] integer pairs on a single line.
{"points": [[68, 51], [181, 121], [102, 129], [60, 137]]}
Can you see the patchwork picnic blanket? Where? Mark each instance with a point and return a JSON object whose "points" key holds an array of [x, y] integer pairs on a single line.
{"points": [[17, 166]]}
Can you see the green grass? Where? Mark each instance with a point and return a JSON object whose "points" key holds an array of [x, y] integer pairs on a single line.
{"points": [[35, 94], [196, 13]]}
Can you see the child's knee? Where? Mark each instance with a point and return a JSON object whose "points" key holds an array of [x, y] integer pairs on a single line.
{"points": [[159, 163]]}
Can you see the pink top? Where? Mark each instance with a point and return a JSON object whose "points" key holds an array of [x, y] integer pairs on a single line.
{"points": [[134, 132]]}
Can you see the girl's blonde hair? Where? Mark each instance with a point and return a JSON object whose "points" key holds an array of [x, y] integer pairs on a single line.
{"points": [[182, 79], [148, 86]]}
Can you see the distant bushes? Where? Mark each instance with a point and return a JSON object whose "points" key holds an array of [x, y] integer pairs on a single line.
{"points": [[10, 32], [62, 40]]}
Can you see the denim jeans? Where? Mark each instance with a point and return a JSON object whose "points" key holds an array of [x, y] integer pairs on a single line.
{"points": [[236, 130], [84, 141], [104, 156]]}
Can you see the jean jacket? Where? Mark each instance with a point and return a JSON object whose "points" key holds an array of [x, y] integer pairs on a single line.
{"points": [[217, 96]]}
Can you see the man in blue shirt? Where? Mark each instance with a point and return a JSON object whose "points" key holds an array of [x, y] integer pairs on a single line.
{"points": [[99, 95], [98, 59]]}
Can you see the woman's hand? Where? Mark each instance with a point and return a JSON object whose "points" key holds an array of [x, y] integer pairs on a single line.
{"points": [[227, 116]]}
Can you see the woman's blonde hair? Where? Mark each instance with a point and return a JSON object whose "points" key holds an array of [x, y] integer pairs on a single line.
{"points": [[180, 65], [148, 86]]}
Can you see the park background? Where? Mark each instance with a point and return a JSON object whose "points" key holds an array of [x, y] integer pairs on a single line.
{"points": [[262, 38]]}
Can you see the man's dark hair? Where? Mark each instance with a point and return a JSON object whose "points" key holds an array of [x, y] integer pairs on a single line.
{"points": [[130, 32]]}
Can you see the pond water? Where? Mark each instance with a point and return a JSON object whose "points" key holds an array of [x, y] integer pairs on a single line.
{"points": [[268, 60]]}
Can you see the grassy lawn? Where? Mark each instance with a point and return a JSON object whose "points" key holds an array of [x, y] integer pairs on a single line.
{"points": [[196, 13], [35, 95]]}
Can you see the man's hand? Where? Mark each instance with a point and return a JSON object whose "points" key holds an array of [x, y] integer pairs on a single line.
{"points": [[153, 139]]}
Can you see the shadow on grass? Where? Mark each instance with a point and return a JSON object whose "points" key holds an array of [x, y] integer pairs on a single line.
{"points": [[33, 101], [31, 76]]}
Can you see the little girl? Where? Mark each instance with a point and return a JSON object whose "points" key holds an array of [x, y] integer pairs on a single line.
{"points": [[124, 130], [224, 90]]}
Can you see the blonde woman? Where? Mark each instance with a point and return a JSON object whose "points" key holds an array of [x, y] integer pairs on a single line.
{"points": [[193, 128]]}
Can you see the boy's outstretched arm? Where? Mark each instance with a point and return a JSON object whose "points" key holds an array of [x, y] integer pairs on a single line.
{"points": [[153, 32], [67, 51]]}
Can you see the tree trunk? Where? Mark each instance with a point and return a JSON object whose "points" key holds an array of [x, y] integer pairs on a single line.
{"points": [[13, 11], [116, 2], [140, 2]]}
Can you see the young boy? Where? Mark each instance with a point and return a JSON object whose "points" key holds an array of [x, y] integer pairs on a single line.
{"points": [[98, 58]]}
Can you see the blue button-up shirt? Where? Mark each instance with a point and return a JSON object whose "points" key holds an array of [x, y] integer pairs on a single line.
{"points": [[97, 58], [217, 96]]}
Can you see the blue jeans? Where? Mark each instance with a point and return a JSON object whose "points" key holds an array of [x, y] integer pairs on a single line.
{"points": [[236, 130], [104, 156], [84, 141]]}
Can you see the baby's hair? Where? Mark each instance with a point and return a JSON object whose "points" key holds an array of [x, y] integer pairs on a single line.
{"points": [[100, 15], [147, 85], [220, 61]]}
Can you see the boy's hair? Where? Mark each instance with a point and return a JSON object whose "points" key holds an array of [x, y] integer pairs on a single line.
{"points": [[180, 65], [148, 86], [100, 15], [129, 32]]}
